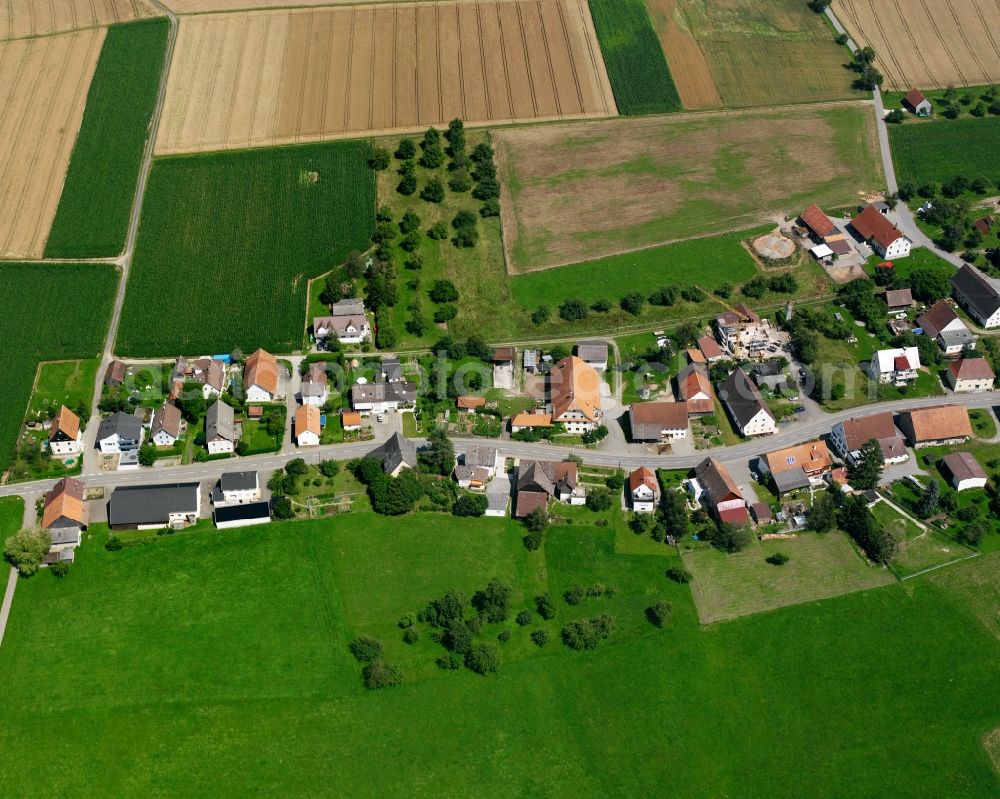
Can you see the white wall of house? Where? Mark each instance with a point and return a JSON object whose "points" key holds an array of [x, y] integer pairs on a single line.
{"points": [[900, 248], [219, 446], [241, 523], [74, 447], [258, 394], [164, 439], [969, 482], [377, 407], [307, 438], [760, 425], [643, 499], [317, 400], [576, 422], [241, 495], [970, 386]]}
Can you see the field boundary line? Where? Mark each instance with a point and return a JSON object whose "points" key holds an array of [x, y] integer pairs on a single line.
{"points": [[970, 556], [590, 40], [371, 73], [482, 57], [569, 51], [326, 82], [194, 70], [503, 57], [236, 77], [260, 76]]}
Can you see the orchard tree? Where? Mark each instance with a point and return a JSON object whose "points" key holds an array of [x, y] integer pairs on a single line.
{"points": [[25, 550]]}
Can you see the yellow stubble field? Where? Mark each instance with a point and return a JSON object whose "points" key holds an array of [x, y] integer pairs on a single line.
{"points": [[25, 18]]}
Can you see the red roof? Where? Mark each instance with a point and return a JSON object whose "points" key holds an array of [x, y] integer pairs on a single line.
{"points": [[734, 515], [818, 222], [914, 97], [901, 363], [871, 224]]}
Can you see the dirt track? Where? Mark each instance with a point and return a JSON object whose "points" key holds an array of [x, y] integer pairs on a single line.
{"points": [[43, 89], [275, 77], [24, 18], [928, 43]]}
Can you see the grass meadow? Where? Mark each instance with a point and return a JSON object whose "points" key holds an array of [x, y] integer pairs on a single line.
{"points": [[51, 312], [228, 241], [216, 663], [935, 152], [637, 69], [63, 383], [93, 214], [11, 515]]}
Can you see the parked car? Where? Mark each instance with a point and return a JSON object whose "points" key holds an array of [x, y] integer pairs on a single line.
{"points": [[800, 409]]}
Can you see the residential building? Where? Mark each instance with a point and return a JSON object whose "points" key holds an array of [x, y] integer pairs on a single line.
{"points": [[229, 516], [848, 437], [594, 354], [643, 489], [881, 234], [710, 349], [396, 454], [713, 486], [65, 435], [575, 395], [470, 403], [899, 301], [970, 375], [797, 467], [694, 387], [382, 397], [658, 421], [978, 294], [941, 323], [940, 424], [237, 487], [120, 432], [525, 420], [308, 429], [350, 421], [345, 329], [260, 377], [314, 389], [65, 514], [152, 507], [746, 406], [477, 467], [115, 374], [897, 366], [209, 373], [392, 369], [964, 470], [220, 429], [695, 355], [769, 375], [916, 103], [165, 428], [824, 231], [742, 332], [540, 481]]}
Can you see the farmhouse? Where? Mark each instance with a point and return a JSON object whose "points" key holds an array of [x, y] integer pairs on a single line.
{"points": [[940, 424], [942, 324], [823, 230], [504, 356], [848, 437], [746, 406], [260, 377], [713, 485], [153, 507], [381, 397], [229, 516], [540, 481], [881, 234], [236, 487], [65, 435], [165, 428], [115, 374], [695, 390], [899, 301], [314, 385], [978, 294], [594, 354], [742, 332], [898, 366], [307, 426], [396, 454], [917, 104], [965, 471], [120, 432], [478, 466], [797, 467], [574, 395], [220, 429], [643, 490], [526, 420], [710, 349], [970, 375], [658, 421], [208, 372], [65, 514]]}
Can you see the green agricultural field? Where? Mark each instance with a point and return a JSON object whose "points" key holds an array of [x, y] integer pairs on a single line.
{"points": [[32, 332], [93, 214], [11, 515], [228, 241], [68, 383], [238, 680], [640, 77], [938, 151]]}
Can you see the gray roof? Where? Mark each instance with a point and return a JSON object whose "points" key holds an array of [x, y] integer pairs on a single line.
{"points": [[380, 392], [791, 480], [767, 368], [956, 338], [350, 307], [481, 456], [151, 504], [982, 293], [592, 351], [742, 397], [238, 481], [397, 450], [530, 358], [496, 502], [220, 422], [310, 389], [392, 369], [121, 424]]}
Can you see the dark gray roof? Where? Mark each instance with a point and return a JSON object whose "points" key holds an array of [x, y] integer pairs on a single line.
{"points": [[592, 351], [767, 368], [220, 422], [380, 392], [122, 424], [397, 450], [151, 504], [351, 307], [791, 480], [310, 389], [742, 397], [248, 510], [392, 369], [238, 481], [481, 456], [980, 292]]}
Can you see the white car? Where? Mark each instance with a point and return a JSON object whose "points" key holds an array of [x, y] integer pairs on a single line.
{"points": [[380, 417]]}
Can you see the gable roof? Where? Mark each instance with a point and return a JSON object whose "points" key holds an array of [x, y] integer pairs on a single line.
{"points": [[716, 480], [392, 368], [481, 456], [341, 324], [709, 347], [220, 422], [468, 401], [862, 429], [151, 504], [693, 380], [65, 501], [348, 307], [937, 318], [818, 222], [168, 419], [350, 418], [898, 298], [649, 419], [261, 370], [743, 397], [115, 373], [503, 354], [121, 424], [546, 476], [889, 360], [980, 292], [381, 392], [593, 351], [872, 225], [317, 373], [913, 98], [938, 423], [307, 420], [813, 456], [964, 466], [66, 423], [643, 476], [528, 419], [238, 481], [971, 369], [397, 450], [574, 386]]}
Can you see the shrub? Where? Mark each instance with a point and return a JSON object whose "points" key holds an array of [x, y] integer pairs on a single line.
{"points": [[678, 574], [379, 159], [503, 636], [471, 505], [539, 637], [460, 181], [329, 468], [541, 314], [114, 543], [438, 231], [406, 621], [445, 313], [406, 150], [600, 499], [493, 602], [433, 192], [452, 661], [365, 649], [777, 559], [407, 185], [26, 550], [523, 618], [379, 674], [532, 540], [659, 613], [632, 303], [575, 595], [490, 208], [573, 309], [587, 633], [545, 606], [483, 658], [411, 635], [60, 568], [443, 291]]}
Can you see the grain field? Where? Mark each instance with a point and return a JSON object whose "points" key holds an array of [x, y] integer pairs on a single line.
{"points": [[20, 19], [43, 89], [688, 64], [928, 43], [278, 77]]}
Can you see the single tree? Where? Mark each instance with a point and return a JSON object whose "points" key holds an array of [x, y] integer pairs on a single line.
{"points": [[865, 471], [26, 549]]}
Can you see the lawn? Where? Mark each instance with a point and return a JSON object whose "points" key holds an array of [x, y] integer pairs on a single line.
{"points": [[11, 515], [919, 548], [82, 295], [68, 383], [637, 69], [939, 151], [93, 213], [228, 241], [819, 566], [982, 423], [195, 675]]}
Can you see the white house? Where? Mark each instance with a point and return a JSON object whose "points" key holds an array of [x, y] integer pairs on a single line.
{"points": [[848, 437], [307, 426], [575, 395], [382, 397], [970, 375], [941, 323], [120, 432], [237, 487], [314, 386], [260, 377], [965, 471], [65, 435], [978, 294], [220, 429], [916, 103], [643, 490], [881, 234], [746, 405], [165, 428], [346, 323], [896, 366]]}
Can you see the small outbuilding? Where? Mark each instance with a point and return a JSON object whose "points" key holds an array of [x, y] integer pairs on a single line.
{"points": [[964, 470], [916, 103]]}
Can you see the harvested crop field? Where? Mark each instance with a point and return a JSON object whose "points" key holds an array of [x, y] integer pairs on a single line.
{"points": [[689, 66], [928, 44], [576, 192], [26, 18], [43, 90], [274, 77]]}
